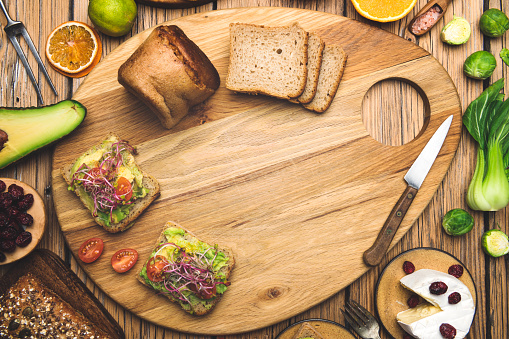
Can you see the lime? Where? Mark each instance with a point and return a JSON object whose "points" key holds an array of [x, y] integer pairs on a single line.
{"points": [[113, 17]]}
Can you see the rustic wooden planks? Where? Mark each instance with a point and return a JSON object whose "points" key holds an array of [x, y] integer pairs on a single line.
{"points": [[491, 319]]}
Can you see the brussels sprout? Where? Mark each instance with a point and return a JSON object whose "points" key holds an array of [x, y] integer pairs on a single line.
{"points": [[494, 23], [495, 243], [456, 32], [504, 55], [480, 65], [457, 222]]}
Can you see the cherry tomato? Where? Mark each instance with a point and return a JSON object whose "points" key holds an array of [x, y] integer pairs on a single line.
{"points": [[124, 188], [90, 250], [96, 172], [124, 259], [155, 268]]}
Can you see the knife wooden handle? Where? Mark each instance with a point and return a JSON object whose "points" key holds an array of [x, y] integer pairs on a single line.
{"points": [[375, 253]]}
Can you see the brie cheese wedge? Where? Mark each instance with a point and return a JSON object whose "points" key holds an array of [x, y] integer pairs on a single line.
{"points": [[424, 320]]}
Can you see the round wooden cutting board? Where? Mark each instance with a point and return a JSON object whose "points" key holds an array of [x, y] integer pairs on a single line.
{"points": [[298, 196]]}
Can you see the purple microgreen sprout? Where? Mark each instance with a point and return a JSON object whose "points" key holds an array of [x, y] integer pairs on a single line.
{"points": [[190, 272], [98, 181]]}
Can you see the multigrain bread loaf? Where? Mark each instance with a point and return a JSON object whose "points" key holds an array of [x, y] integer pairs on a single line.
{"points": [[170, 74], [307, 331], [331, 72], [31, 310], [176, 237], [267, 60], [95, 155], [315, 51]]}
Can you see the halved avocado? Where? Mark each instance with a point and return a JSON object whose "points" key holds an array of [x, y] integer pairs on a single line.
{"points": [[31, 128]]}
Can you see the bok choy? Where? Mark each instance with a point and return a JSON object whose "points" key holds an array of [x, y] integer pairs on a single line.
{"points": [[487, 121]]}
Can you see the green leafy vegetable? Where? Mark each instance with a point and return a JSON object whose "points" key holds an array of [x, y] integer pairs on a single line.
{"points": [[487, 121], [457, 222]]}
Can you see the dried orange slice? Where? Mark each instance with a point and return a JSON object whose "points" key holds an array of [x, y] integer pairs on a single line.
{"points": [[384, 10], [73, 49]]}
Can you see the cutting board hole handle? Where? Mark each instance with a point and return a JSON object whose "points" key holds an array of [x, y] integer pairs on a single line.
{"points": [[399, 115]]}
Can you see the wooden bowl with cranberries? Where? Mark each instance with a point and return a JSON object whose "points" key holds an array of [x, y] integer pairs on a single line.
{"points": [[22, 219]]}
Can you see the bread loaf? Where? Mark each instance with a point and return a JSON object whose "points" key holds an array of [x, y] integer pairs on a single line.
{"points": [[170, 74], [41, 313], [331, 72], [267, 60]]}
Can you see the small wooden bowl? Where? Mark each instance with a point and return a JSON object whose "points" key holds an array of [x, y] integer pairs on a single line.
{"points": [[443, 4], [38, 212]]}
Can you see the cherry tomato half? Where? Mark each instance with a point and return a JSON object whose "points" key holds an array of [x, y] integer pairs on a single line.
{"points": [[124, 259], [155, 268], [90, 250], [124, 188]]}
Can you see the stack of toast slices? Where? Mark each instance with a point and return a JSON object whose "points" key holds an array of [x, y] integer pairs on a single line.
{"points": [[285, 62]]}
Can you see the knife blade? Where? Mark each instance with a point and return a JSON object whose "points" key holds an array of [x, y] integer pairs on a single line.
{"points": [[414, 178]]}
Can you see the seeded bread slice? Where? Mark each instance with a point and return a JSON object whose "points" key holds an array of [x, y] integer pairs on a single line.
{"points": [[137, 207], [307, 331], [268, 60], [315, 52], [331, 72], [204, 306]]}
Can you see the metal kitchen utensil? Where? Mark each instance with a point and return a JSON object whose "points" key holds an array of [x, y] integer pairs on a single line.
{"points": [[15, 28], [414, 178], [362, 322]]}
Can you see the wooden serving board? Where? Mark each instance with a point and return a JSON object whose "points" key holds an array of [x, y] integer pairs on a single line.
{"points": [[298, 196]]}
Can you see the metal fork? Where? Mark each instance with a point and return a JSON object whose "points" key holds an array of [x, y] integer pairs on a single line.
{"points": [[362, 322], [15, 28]]}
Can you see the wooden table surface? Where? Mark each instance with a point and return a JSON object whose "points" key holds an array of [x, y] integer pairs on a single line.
{"points": [[395, 114]]}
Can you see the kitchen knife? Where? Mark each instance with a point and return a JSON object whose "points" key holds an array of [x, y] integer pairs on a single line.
{"points": [[414, 178]]}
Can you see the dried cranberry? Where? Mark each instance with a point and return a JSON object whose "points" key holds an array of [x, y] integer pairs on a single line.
{"points": [[12, 212], [5, 200], [2, 186], [16, 191], [4, 219], [25, 219], [413, 301], [27, 202], [456, 271], [407, 336], [408, 267], [438, 287], [447, 331], [24, 239], [454, 298], [9, 233], [7, 246], [14, 224], [2, 257]]}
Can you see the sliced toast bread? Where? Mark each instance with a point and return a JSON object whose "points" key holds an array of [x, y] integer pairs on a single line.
{"points": [[268, 60], [331, 72], [315, 51], [307, 331], [136, 208], [199, 306]]}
